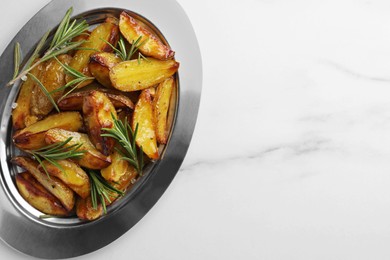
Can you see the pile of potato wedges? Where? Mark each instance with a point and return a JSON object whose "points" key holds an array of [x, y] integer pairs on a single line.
{"points": [[140, 91]]}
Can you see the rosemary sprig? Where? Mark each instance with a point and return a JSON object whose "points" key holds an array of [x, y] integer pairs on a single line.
{"points": [[44, 90], [101, 190], [38, 49], [17, 59], [60, 44], [58, 151], [126, 137], [68, 30], [122, 51], [79, 78]]}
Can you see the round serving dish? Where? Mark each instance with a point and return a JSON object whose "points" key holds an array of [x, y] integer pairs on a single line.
{"points": [[20, 225]]}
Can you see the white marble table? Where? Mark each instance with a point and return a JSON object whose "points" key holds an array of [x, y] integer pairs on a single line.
{"points": [[290, 158]]}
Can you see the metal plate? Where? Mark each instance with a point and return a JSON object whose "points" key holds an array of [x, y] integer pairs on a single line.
{"points": [[20, 225]]}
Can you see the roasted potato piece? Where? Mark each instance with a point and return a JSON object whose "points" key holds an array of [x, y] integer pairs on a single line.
{"points": [[37, 196], [52, 184], [100, 65], [85, 210], [98, 111], [152, 46], [74, 101], [52, 77], [82, 37], [120, 174], [107, 31], [92, 158], [33, 136], [143, 117], [161, 105], [137, 75], [21, 116], [72, 175]]}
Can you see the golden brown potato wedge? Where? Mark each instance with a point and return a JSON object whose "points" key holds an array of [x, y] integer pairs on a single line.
{"points": [[92, 158], [72, 175], [143, 117], [120, 174], [52, 77], [52, 184], [120, 171], [98, 112], [37, 196], [21, 116], [112, 19], [152, 46], [161, 105], [137, 75], [85, 210], [103, 33], [82, 37], [100, 65], [33, 136], [74, 101]]}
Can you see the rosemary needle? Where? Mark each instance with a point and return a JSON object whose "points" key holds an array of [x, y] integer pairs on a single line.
{"points": [[126, 137], [60, 44], [101, 190], [17, 59], [58, 151]]}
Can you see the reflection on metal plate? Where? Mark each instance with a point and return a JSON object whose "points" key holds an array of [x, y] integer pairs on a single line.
{"points": [[20, 225]]}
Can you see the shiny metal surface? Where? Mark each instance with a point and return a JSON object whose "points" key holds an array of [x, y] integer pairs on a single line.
{"points": [[20, 225]]}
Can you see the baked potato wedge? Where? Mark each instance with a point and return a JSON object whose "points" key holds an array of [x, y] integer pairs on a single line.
{"points": [[72, 175], [21, 115], [161, 105], [103, 33], [100, 65], [33, 136], [143, 116], [92, 158], [120, 171], [151, 45], [136, 75], [37, 196], [74, 101], [98, 112], [82, 37], [52, 77], [120, 174], [52, 184], [85, 210]]}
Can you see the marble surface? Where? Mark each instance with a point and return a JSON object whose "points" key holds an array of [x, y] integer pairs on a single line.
{"points": [[290, 157]]}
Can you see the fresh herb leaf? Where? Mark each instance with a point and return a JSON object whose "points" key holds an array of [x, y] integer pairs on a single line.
{"points": [[44, 90], [79, 78], [17, 59], [60, 44], [101, 190], [125, 136], [58, 151], [122, 51]]}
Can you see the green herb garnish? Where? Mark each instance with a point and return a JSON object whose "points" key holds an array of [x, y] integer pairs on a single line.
{"points": [[44, 90], [60, 44], [126, 137], [101, 190], [17, 59], [122, 52], [79, 78], [58, 151]]}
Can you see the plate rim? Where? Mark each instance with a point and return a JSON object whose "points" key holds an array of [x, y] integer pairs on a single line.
{"points": [[63, 241]]}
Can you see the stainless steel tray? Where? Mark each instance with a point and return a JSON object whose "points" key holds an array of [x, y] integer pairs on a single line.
{"points": [[20, 225]]}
